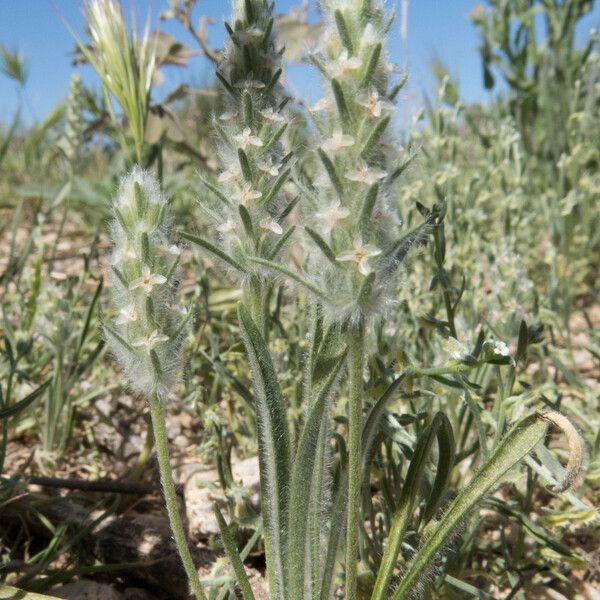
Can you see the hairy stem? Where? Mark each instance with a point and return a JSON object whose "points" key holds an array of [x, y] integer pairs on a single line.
{"points": [[356, 353], [166, 477]]}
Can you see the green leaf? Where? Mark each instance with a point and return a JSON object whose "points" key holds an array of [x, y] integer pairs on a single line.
{"points": [[372, 65], [302, 483], [216, 191], [332, 172], [234, 556], [291, 274], [441, 429], [246, 220], [323, 245], [273, 451], [340, 100], [374, 136], [281, 242], [245, 165], [213, 249], [367, 207], [275, 187], [342, 28], [16, 408], [516, 445]]}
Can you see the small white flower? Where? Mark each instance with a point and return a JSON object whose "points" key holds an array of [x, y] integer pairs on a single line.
{"points": [[501, 349], [369, 36], [249, 35], [343, 65], [322, 104], [366, 175], [360, 255], [151, 341], [246, 193], [271, 225], [269, 167], [249, 84], [454, 348], [231, 173], [174, 250], [338, 141], [246, 139], [332, 215], [127, 315], [125, 251], [228, 227], [148, 280], [228, 116], [270, 115], [373, 103]]}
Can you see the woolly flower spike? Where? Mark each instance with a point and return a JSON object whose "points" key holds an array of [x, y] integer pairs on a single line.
{"points": [[147, 333], [360, 255]]}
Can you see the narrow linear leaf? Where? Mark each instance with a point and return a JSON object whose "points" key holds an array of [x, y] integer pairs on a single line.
{"points": [[441, 429], [372, 65], [245, 165], [375, 136], [323, 245], [213, 249], [246, 220], [300, 491], [216, 191], [290, 273], [24, 403], [342, 28], [340, 100], [516, 445], [332, 172], [273, 450], [233, 554], [281, 242], [394, 91], [274, 138], [368, 205], [275, 187]]}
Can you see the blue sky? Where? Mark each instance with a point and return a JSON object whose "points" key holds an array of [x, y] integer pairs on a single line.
{"points": [[435, 28]]}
